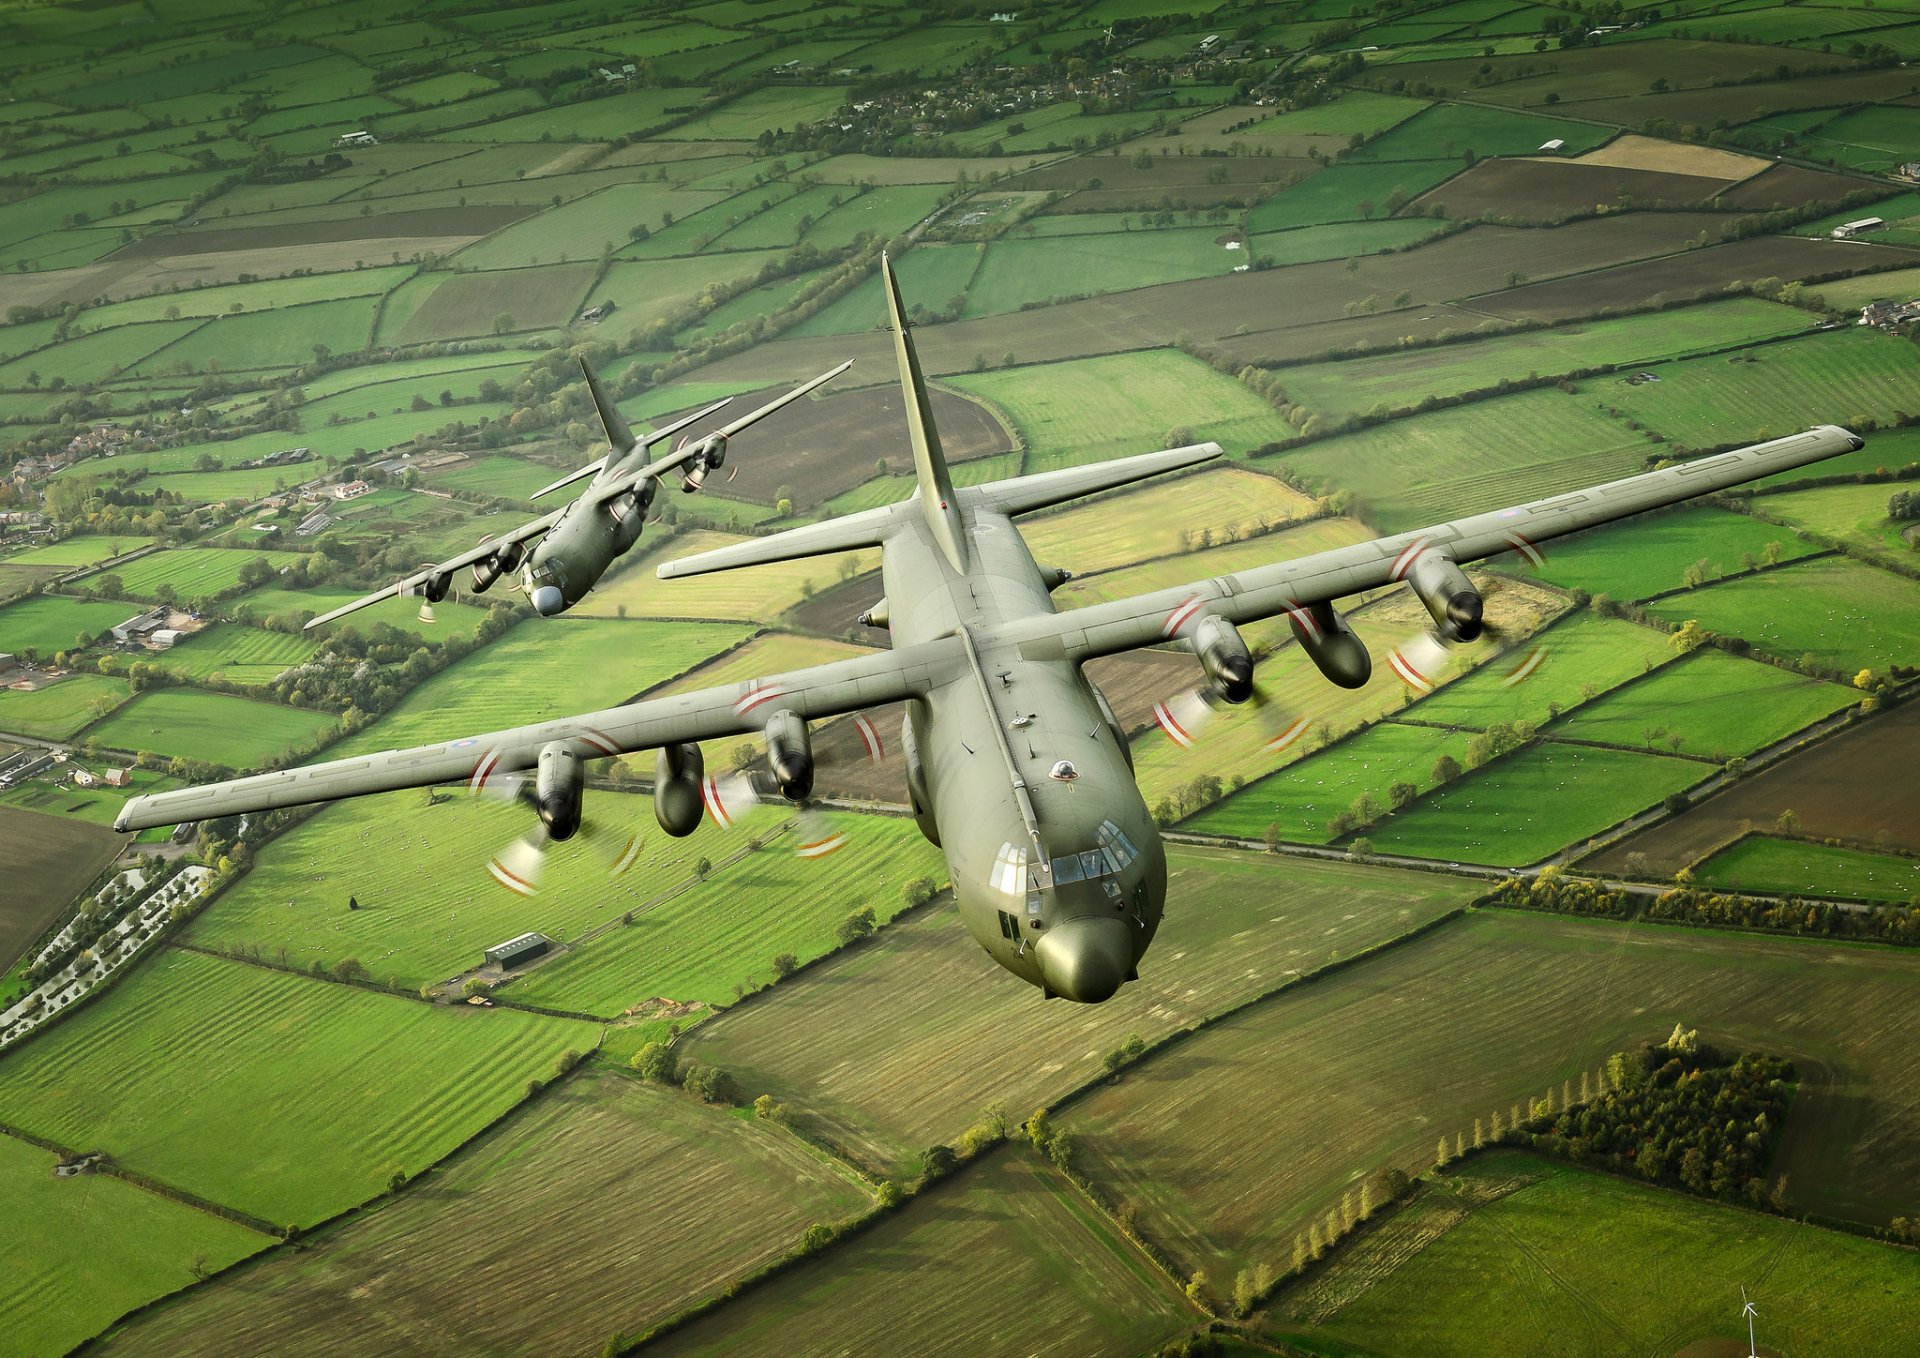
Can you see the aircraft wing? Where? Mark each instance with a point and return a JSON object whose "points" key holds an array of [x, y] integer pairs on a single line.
{"points": [[1267, 591], [728, 710], [412, 584]]}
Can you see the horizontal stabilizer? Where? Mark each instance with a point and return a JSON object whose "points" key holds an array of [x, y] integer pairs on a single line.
{"points": [[1024, 494], [865, 529], [570, 478]]}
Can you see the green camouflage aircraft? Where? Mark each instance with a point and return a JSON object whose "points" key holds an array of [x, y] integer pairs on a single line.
{"points": [[1016, 765]]}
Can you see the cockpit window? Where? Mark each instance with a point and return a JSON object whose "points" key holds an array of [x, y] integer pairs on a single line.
{"points": [[1010, 870], [1092, 863], [1067, 869]]}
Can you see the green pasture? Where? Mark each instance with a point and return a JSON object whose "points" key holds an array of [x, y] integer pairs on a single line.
{"points": [[256, 483], [1845, 376], [648, 291], [1355, 386], [1090, 409], [758, 593], [1582, 657], [1493, 1009], [52, 623], [237, 654], [1345, 240], [78, 551], [94, 357], [194, 572], [508, 478], [747, 116], [1018, 273], [1835, 611], [450, 618], [1528, 805], [1354, 111], [58, 711], [1455, 131], [1793, 867], [1718, 705], [1162, 520], [543, 669], [880, 213], [930, 276], [323, 1091], [97, 805], [1025, 1267], [1353, 192], [214, 728], [1873, 139], [568, 1157], [1234, 929], [1586, 1244], [443, 306], [1439, 466], [1652, 554], [81, 1252], [1853, 515], [584, 229], [1303, 797]]}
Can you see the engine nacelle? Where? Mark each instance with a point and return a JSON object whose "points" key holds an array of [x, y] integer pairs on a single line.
{"points": [[1054, 576], [1225, 658], [790, 755], [677, 772], [710, 454], [435, 587], [490, 568], [1335, 648], [1449, 596], [559, 784]]}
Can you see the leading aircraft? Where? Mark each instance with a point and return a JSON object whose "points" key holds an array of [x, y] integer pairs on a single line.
{"points": [[1016, 766], [580, 540]]}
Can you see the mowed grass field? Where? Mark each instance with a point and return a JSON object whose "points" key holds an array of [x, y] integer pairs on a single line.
{"points": [[321, 1091], [449, 618], [1026, 1267], [81, 1252], [1091, 409], [79, 551], [194, 572], [1651, 554], [758, 593], [1489, 1010], [720, 1196], [1791, 867], [239, 654], [1234, 929], [58, 711], [1573, 1251], [1529, 804], [1584, 656], [50, 622], [1837, 611], [214, 728], [1854, 515], [543, 669], [1160, 520], [1722, 705]]}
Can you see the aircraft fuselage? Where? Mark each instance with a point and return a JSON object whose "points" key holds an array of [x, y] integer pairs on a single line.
{"points": [[1075, 913], [569, 561]]}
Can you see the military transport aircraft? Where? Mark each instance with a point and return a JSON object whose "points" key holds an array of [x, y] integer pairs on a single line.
{"points": [[1016, 765], [581, 540]]}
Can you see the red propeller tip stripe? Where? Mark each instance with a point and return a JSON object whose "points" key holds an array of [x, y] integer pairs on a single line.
{"points": [[1169, 723]]}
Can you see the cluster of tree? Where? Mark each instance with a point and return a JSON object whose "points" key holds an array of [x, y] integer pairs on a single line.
{"points": [[1192, 799], [1898, 924], [1903, 505], [658, 1063], [113, 903], [1564, 895], [1683, 1113]]}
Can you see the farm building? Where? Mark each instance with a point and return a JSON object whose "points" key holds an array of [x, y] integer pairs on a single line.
{"points": [[8, 662], [141, 626], [362, 138], [1848, 230], [164, 638], [1556, 145], [1888, 313], [352, 490], [517, 950]]}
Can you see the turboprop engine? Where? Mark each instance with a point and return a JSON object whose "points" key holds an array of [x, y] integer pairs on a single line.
{"points": [[710, 455], [677, 774], [790, 755], [1335, 648], [1225, 658], [490, 568], [1449, 596], [435, 587], [559, 783]]}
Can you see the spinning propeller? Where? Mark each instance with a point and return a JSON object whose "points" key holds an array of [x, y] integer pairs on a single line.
{"points": [[555, 792], [791, 759]]}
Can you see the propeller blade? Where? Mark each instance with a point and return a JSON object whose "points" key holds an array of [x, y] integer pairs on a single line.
{"points": [[519, 866], [729, 796], [815, 837], [1184, 717], [1418, 661]]}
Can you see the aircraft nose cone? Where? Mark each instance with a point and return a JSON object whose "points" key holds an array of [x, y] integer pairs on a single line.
{"points": [[1086, 959], [548, 600]]}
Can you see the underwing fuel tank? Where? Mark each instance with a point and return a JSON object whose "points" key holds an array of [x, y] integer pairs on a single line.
{"points": [[677, 771], [1334, 647]]}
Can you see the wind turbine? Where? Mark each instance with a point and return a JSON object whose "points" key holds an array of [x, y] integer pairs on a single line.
{"points": [[1746, 1309]]}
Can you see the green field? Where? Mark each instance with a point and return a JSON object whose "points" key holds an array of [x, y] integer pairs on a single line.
{"points": [[51, 623], [1234, 929], [1018, 273], [1842, 614], [78, 551], [58, 711], [1723, 706], [1347, 193], [1652, 553], [1091, 409], [1855, 515], [1576, 1249], [1532, 803], [212, 728], [542, 669], [1584, 656], [194, 572], [449, 618], [1492, 1009], [268, 339], [1791, 867], [80, 1252], [1356, 386], [758, 594], [1455, 131], [570, 1157], [96, 805], [322, 1091], [238, 654], [1119, 530]]}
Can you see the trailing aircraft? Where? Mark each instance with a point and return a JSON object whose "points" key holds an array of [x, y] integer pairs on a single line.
{"points": [[1016, 766], [580, 540]]}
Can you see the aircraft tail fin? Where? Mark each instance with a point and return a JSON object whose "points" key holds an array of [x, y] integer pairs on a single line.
{"points": [[619, 436], [937, 500]]}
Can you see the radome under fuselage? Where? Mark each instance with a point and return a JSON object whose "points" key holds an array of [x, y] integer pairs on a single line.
{"points": [[1079, 927]]}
